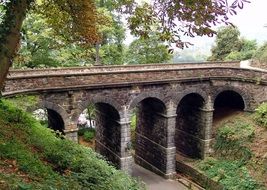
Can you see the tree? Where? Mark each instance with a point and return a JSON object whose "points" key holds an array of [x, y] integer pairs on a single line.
{"points": [[261, 54], [227, 41], [14, 13], [178, 18], [42, 47], [229, 45], [247, 51], [79, 17], [36, 44], [143, 51], [110, 49]]}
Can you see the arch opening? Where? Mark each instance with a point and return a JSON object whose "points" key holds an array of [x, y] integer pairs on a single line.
{"points": [[86, 126], [50, 118], [149, 134], [229, 99], [99, 123], [226, 104], [189, 125]]}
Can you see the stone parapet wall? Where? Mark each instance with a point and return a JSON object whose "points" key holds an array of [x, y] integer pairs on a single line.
{"points": [[57, 82], [117, 68]]}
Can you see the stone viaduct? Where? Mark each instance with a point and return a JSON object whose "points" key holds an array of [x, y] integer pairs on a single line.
{"points": [[175, 104]]}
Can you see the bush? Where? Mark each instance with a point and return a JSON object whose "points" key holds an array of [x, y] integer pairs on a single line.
{"points": [[89, 135], [260, 115], [232, 140], [232, 175], [261, 54], [50, 162]]}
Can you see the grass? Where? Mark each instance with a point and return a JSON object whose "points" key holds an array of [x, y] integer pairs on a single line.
{"points": [[232, 139], [32, 157], [233, 175], [236, 153], [88, 134]]}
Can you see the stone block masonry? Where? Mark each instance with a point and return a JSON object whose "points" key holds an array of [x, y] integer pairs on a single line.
{"points": [[174, 105]]}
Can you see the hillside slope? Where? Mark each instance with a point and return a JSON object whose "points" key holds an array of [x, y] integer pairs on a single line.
{"points": [[240, 157], [32, 157]]}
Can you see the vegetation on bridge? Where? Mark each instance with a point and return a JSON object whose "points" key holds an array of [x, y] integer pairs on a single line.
{"points": [[32, 157]]}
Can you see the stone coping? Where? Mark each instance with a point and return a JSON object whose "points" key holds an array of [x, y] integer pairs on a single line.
{"points": [[127, 84], [117, 69]]}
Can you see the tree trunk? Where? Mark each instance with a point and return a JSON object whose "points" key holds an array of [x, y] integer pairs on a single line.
{"points": [[10, 34]]}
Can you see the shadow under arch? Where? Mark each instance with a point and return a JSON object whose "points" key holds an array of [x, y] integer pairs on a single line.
{"points": [[150, 132], [237, 94], [227, 102], [56, 115], [107, 127], [201, 93], [108, 132], [189, 125], [135, 101]]}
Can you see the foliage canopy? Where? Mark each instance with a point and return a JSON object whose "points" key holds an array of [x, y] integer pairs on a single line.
{"points": [[144, 51], [229, 45]]}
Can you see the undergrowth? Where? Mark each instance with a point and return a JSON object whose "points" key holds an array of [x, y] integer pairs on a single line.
{"points": [[260, 115], [232, 156], [233, 175], [48, 162], [233, 138], [88, 134]]}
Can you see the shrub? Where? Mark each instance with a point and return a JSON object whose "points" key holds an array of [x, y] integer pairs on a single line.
{"points": [[89, 135], [232, 175], [51, 162], [232, 140], [25, 102], [261, 54], [260, 115]]}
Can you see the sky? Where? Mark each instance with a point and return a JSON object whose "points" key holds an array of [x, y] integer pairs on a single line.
{"points": [[250, 21]]}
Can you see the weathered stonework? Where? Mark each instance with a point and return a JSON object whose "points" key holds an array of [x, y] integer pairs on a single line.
{"points": [[175, 106]]}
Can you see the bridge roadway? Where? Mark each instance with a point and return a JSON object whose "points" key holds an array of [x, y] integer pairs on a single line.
{"points": [[174, 104]]}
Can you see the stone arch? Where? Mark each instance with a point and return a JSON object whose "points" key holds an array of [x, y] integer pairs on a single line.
{"points": [[94, 100], [227, 101], [136, 100], [57, 116], [151, 131], [244, 95], [178, 97]]}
